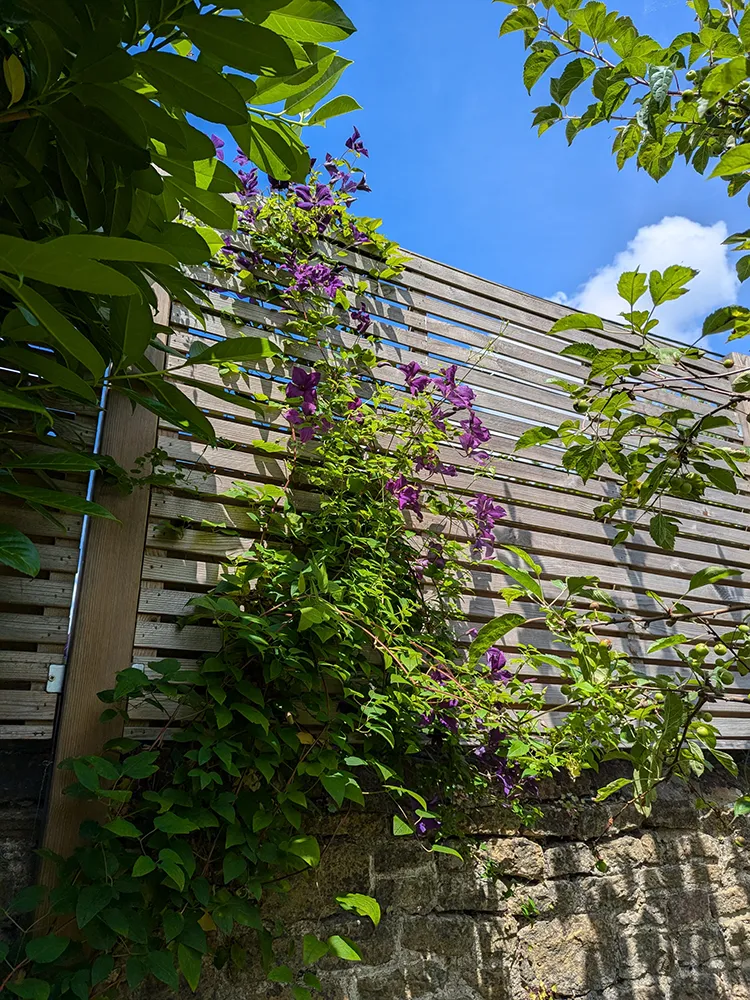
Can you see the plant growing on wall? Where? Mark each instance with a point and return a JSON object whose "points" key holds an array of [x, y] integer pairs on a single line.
{"points": [[100, 162]]}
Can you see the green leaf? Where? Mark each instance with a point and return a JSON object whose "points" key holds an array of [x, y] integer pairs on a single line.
{"points": [[91, 901], [521, 19], [723, 78], [94, 247], [310, 21], [306, 848], [534, 436], [365, 906], [30, 989], [342, 947], [577, 321], [171, 823], [18, 551], [742, 805], [519, 575], [27, 899], [281, 974], [72, 343], [631, 286], [17, 401], [193, 86], [51, 371], [143, 866], [491, 633], [189, 962], [161, 966], [208, 206], [660, 78], [710, 575], [101, 969], [187, 244], [274, 147], [313, 949], [400, 828], [234, 349], [54, 461], [734, 161], [663, 530], [610, 789], [46, 949], [122, 828], [53, 264], [671, 284], [341, 105], [576, 71], [666, 642], [246, 47], [538, 62], [442, 849], [56, 499]]}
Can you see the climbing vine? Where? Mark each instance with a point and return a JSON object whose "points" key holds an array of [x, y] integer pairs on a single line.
{"points": [[337, 683]]}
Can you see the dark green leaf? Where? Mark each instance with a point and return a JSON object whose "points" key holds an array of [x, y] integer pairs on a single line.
{"points": [[189, 962], [46, 949], [247, 47], [56, 499], [91, 901], [161, 966], [18, 551], [491, 633], [193, 86], [710, 575], [313, 949]]}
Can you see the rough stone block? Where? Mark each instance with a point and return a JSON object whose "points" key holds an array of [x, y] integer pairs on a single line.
{"points": [[625, 853], [576, 954], [437, 934], [408, 893], [516, 856], [568, 859], [408, 982]]}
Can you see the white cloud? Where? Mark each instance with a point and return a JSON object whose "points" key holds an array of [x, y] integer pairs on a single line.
{"points": [[674, 240]]}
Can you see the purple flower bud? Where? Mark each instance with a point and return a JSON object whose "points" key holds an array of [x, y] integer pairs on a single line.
{"points": [[218, 145], [354, 143]]}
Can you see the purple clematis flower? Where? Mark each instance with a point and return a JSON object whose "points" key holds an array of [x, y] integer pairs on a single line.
{"points": [[218, 146], [277, 185], [304, 384], [430, 462], [363, 185], [355, 144], [488, 513], [308, 199], [472, 633], [361, 320], [406, 494], [249, 181], [475, 433], [240, 158], [426, 824], [354, 406], [313, 277], [358, 236], [414, 377], [496, 661]]}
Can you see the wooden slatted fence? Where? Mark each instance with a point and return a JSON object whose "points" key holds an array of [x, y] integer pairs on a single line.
{"points": [[435, 315]]}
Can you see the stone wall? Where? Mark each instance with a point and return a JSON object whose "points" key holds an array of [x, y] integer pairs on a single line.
{"points": [[664, 916], [24, 773]]}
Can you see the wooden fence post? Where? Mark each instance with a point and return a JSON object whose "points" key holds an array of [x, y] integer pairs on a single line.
{"points": [[105, 617], [743, 410]]}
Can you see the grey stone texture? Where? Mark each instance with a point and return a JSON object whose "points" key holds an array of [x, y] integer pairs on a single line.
{"points": [[591, 903]]}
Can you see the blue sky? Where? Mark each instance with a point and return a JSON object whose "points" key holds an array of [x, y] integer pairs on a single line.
{"points": [[459, 175]]}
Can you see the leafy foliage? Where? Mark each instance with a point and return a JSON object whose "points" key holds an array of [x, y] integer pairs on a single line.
{"points": [[105, 182]]}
